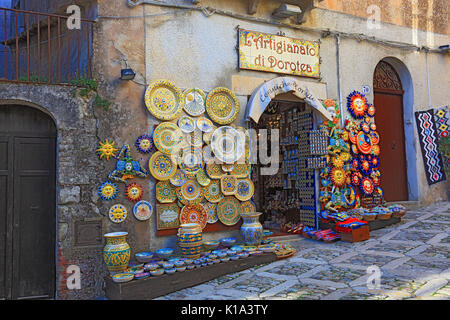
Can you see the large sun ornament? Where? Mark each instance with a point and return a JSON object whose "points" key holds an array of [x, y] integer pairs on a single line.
{"points": [[357, 105], [367, 186], [338, 176], [144, 144], [107, 149], [134, 192], [107, 191]]}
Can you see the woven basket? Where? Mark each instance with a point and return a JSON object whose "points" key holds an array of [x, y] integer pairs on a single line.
{"points": [[384, 216], [369, 217], [399, 214]]}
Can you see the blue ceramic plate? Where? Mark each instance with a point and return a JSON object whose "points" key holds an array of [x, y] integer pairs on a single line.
{"points": [[164, 253]]}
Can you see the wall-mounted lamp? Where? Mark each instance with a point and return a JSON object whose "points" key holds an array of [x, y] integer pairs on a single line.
{"points": [[445, 48], [286, 11], [127, 73]]}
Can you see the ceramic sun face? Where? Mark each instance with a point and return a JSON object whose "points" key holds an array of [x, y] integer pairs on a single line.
{"points": [[338, 177], [107, 149], [144, 144], [107, 191], [357, 105], [134, 192]]}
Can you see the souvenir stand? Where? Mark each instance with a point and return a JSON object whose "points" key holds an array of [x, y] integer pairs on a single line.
{"points": [[200, 163]]}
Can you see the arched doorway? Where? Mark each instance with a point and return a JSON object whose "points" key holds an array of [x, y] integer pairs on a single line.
{"points": [[389, 118], [27, 203]]}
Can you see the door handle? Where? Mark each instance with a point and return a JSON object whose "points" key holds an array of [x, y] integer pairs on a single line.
{"points": [[393, 145]]}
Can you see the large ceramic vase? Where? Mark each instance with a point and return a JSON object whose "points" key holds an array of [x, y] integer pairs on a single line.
{"points": [[190, 240], [116, 253], [251, 228]]}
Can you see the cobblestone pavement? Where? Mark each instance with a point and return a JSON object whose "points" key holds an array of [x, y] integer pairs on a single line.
{"points": [[412, 255]]}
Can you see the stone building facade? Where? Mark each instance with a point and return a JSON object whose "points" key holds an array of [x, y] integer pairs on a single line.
{"points": [[194, 45]]}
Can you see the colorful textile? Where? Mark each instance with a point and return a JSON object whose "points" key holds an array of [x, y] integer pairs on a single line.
{"points": [[428, 143], [442, 121]]}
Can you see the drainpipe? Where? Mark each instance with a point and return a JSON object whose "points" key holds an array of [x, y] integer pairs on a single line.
{"points": [[338, 67], [428, 78]]}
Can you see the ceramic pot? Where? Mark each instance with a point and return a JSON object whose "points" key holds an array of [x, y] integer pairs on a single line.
{"points": [[190, 240], [251, 229], [116, 253]]}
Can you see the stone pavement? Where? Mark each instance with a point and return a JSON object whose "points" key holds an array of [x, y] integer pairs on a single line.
{"points": [[413, 257]]}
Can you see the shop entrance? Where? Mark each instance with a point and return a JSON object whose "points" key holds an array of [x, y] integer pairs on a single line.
{"points": [[288, 197], [27, 203], [388, 101]]}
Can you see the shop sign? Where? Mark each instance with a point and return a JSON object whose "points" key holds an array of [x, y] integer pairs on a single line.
{"points": [[278, 54]]}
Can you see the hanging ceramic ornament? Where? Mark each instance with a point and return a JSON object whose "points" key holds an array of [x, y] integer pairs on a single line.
{"points": [[107, 191], [164, 100], [165, 192], [214, 170], [338, 176], [202, 178], [134, 192], [161, 166], [117, 213], [375, 137], [370, 110], [245, 190], [191, 190], [365, 166], [222, 106], [376, 150], [107, 149], [367, 186], [191, 160], [373, 126], [167, 137], [186, 124], [142, 210], [144, 144], [364, 143], [194, 101], [356, 179], [357, 105], [375, 162], [365, 127], [127, 167], [248, 206]]}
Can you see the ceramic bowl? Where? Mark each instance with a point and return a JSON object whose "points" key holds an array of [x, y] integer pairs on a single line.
{"points": [[225, 259], [210, 245], [212, 256], [151, 266], [170, 270], [157, 272], [167, 265], [142, 275], [221, 254], [144, 257], [227, 242], [179, 263], [216, 260], [123, 277], [197, 261], [204, 264], [190, 266], [234, 257], [216, 252], [173, 260], [237, 249], [160, 262], [181, 269], [230, 252], [266, 248], [141, 270], [243, 254], [164, 253], [188, 261]]}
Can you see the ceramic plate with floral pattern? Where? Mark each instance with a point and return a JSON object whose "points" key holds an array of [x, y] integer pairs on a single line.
{"points": [[194, 214], [161, 166], [165, 192], [194, 101], [212, 192], [228, 211], [222, 105], [164, 100], [167, 137], [142, 210], [117, 213], [245, 189]]}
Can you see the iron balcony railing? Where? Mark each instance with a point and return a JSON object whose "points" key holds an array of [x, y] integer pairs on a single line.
{"points": [[40, 48]]}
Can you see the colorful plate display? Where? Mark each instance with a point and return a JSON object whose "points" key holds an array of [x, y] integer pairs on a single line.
{"points": [[191, 190], [248, 206], [167, 137], [214, 170], [194, 101], [222, 106], [186, 124], [245, 190], [142, 210], [227, 144], [164, 100], [211, 212], [228, 185], [178, 179], [228, 211], [194, 214], [212, 192], [161, 166], [165, 192], [117, 213], [205, 125], [191, 160]]}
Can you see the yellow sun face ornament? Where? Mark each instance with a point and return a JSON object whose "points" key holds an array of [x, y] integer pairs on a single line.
{"points": [[107, 149]]}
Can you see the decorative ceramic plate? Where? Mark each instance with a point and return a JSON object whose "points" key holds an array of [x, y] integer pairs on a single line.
{"points": [[186, 124], [214, 170], [204, 124], [228, 211], [178, 179], [241, 170], [367, 186], [202, 178], [222, 105], [194, 214], [227, 144], [167, 216], [161, 166], [181, 198], [167, 137], [364, 142], [191, 190], [227, 167], [144, 144], [134, 192], [248, 206], [191, 160], [212, 192], [165, 192], [245, 190], [164, 100], [194, 138], [194, 101], [375, 137], [228, 185], [211, 212], [117, 213], [108, 191], [123, 277], [142, 210]]}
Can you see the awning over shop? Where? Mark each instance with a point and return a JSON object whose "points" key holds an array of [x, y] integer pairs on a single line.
{"points": [[262, 96]]}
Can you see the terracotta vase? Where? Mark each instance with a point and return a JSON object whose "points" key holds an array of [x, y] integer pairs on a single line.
{"points": [[190, 240], [116, 253], [251, 228]]}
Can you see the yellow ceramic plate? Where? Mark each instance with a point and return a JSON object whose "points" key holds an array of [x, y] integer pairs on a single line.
{"points": [[117, 213], [214, 170], [194, 101], [167, 137], [228, 211], [212, 192], [248, 206], [222, 105], [164, 100], [211, 211], [228, 185], [161, 166], [244, 190], [165, 192], [202, 178]]}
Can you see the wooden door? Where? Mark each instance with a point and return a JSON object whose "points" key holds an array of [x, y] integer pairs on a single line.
{"points": [[388, 101], [27, 203]]}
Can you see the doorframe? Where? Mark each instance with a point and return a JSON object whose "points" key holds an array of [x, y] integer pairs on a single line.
{"points": [[57, 188], [408, 124]]}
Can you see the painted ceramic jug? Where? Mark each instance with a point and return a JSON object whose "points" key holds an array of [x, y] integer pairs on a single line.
{"points": [[251, 228], [116, 253], [190, 240]]}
